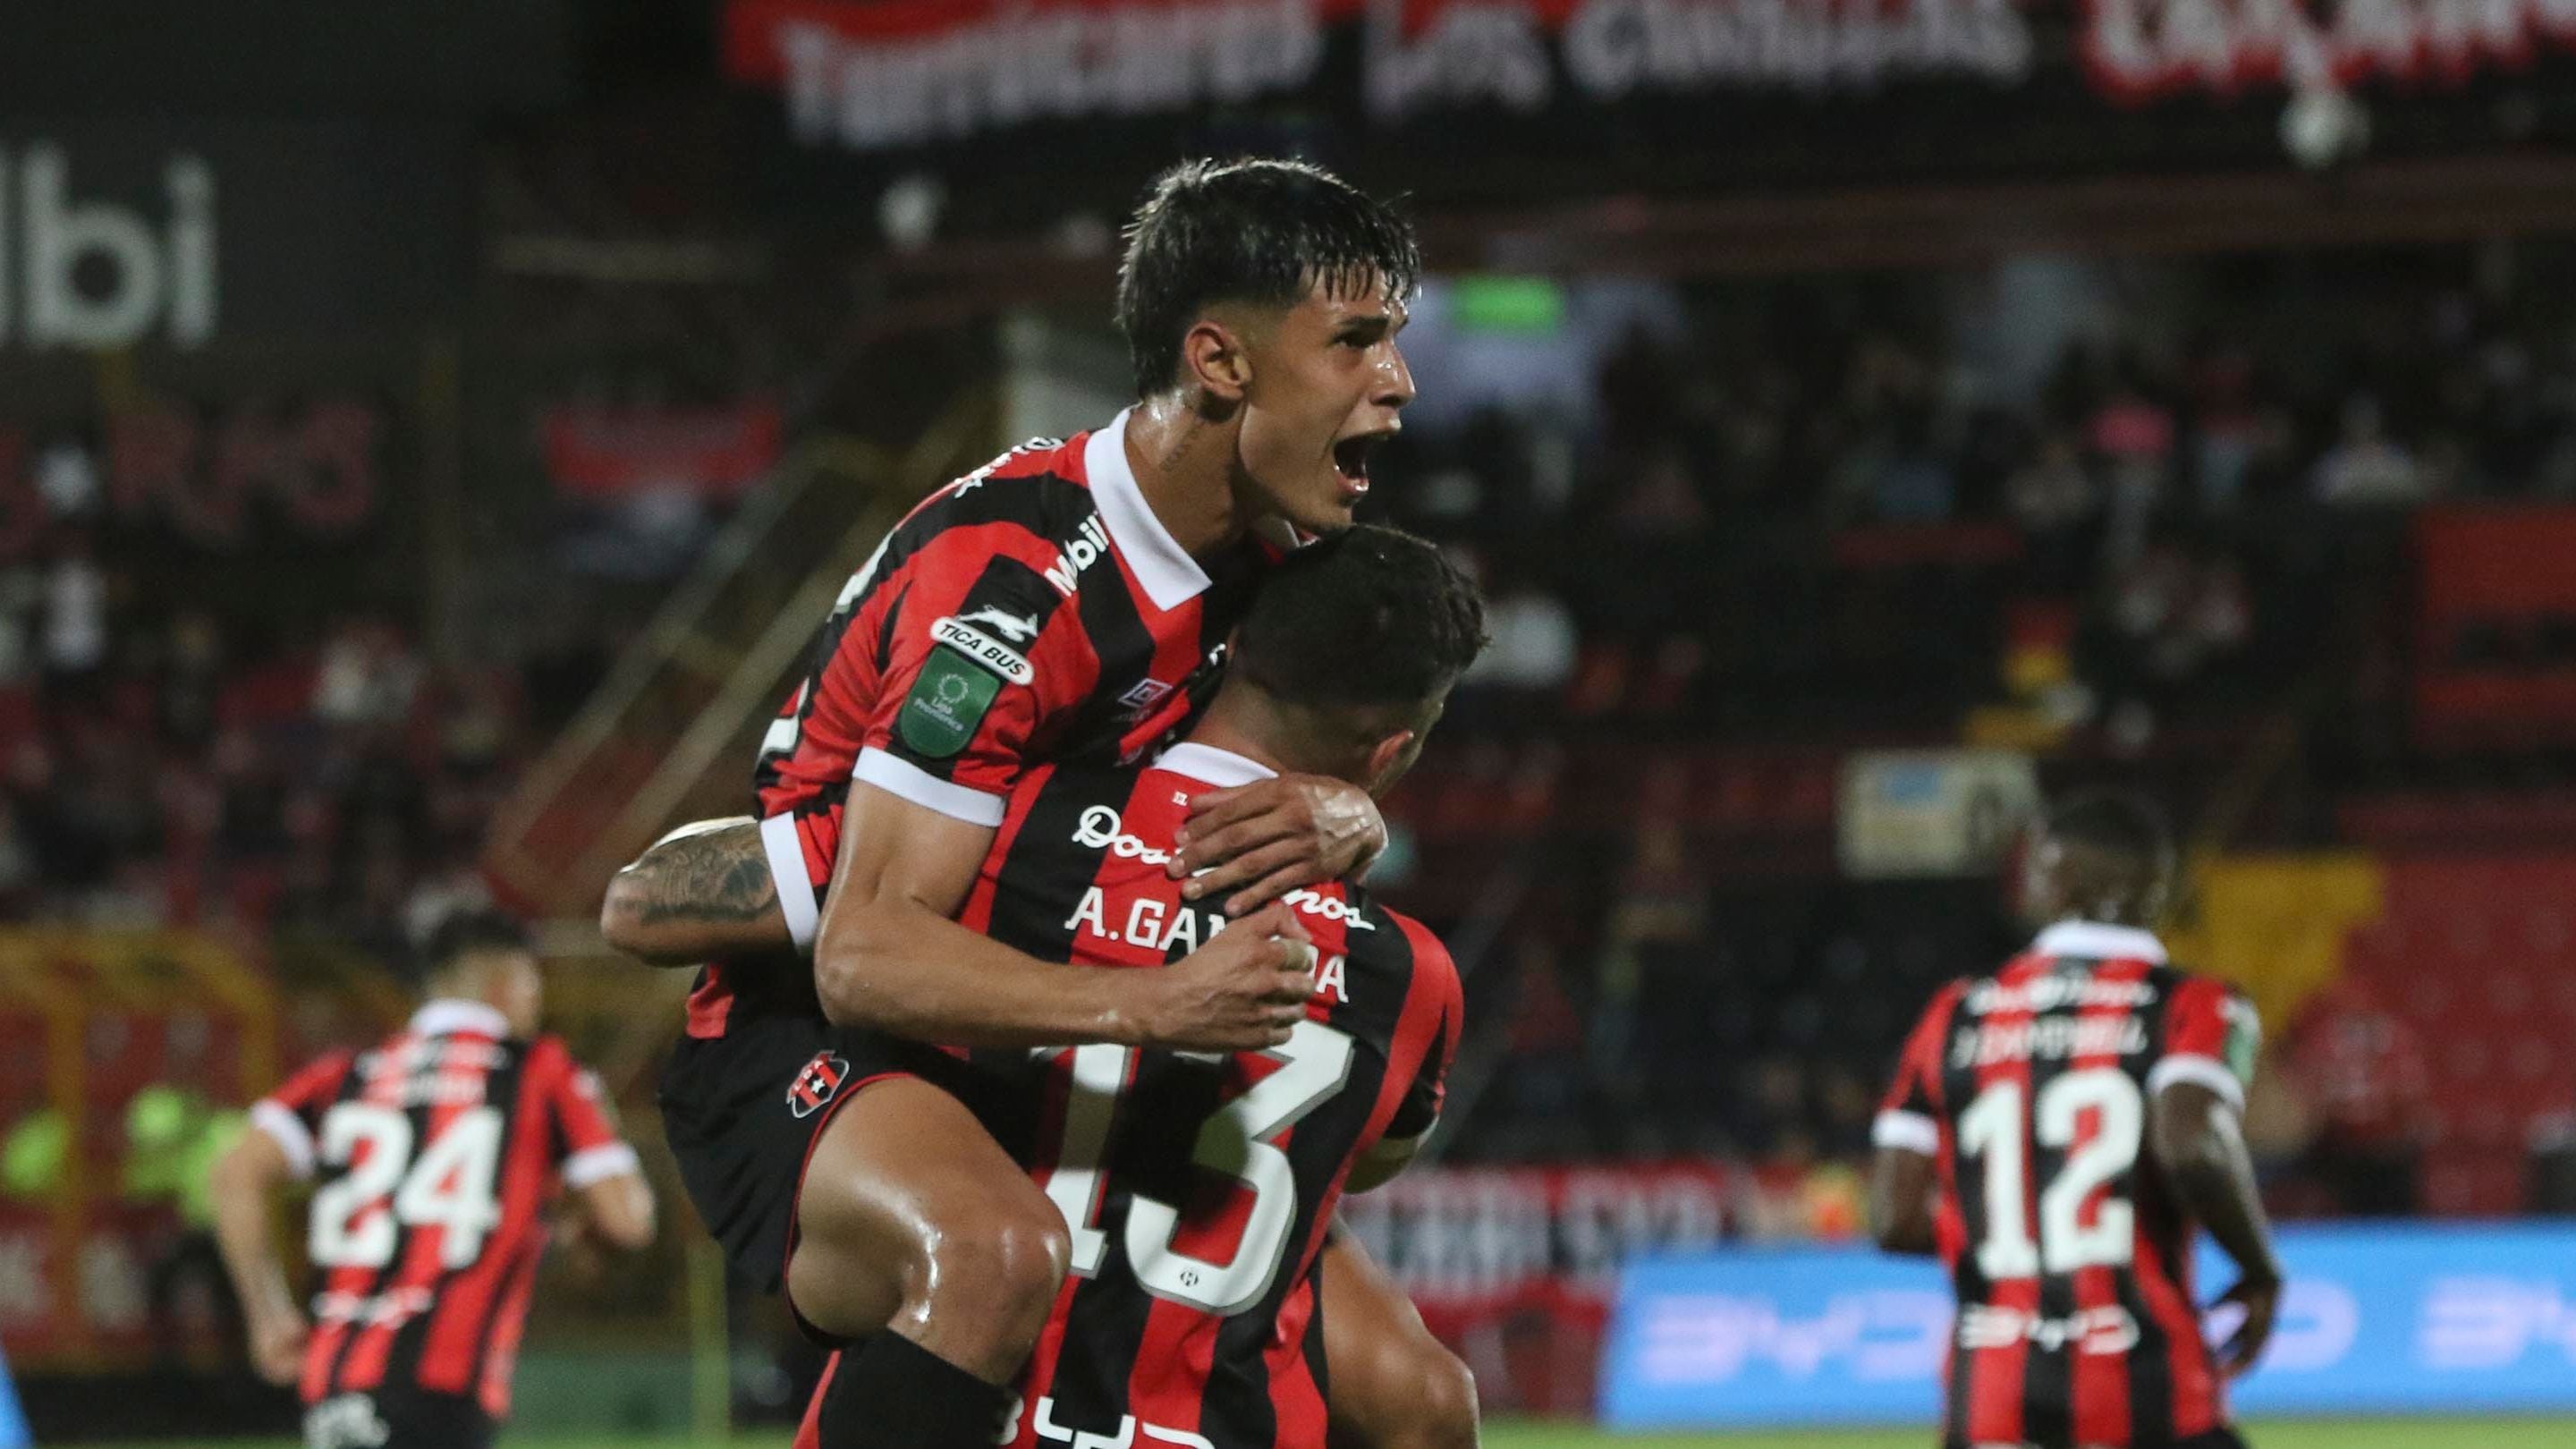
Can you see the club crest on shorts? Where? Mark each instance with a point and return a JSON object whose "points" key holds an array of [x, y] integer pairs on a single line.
{"points": [[820, 1081]]}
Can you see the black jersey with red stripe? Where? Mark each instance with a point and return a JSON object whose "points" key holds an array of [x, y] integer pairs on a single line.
{"points": [[434, 1155], [1198, 1188], [2069, 1254], [1034, 609]]}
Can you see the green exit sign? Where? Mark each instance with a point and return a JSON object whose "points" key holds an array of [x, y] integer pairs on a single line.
{"points": [[1506, 304]]}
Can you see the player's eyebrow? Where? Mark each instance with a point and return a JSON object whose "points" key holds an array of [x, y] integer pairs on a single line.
{"points": [[1371, 327]]}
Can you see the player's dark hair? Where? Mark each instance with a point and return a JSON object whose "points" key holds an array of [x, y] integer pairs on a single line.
{"points": [[466, 932], [2113, 861], [1261, 231], [1369, 617], [2118, 823]]}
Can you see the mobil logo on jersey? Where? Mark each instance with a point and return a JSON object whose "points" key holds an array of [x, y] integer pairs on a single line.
{"points": [[1075, 556]]}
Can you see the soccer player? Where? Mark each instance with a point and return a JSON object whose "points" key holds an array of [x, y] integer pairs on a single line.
{"points": [[1198, 1189], [1068, 602], [2078, 1111], [436, 1154]]}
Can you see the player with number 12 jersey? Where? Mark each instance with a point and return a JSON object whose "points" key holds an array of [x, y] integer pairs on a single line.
{"points": [[2033, 1096]]}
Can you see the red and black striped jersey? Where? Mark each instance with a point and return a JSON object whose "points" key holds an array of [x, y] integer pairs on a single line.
{"points": [[1198, 1188], [434, 1155], [2069, 1253], [1035, 609]]}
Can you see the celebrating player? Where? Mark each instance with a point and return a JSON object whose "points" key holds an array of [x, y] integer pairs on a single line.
{"points": [[2079, 1109], [1069, 601], [1197, 1190], [436, 1153]]}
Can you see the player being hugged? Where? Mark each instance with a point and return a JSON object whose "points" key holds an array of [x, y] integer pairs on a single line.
{"points": [[1197, 1190], [1068, 602], [2055, 1132], [434, 1156]]}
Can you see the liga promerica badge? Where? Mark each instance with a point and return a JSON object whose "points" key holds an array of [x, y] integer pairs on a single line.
{"points": [[948, 700]]}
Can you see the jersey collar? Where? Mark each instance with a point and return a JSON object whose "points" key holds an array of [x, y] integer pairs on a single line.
{"points": [[2094, 941], [450, 1016], [1211, 766], [1170, 576]]}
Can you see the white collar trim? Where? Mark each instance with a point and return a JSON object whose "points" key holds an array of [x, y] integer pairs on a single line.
{"points": [[449, 1015], [1211, 766], [2093, 940], [1170, 576]]}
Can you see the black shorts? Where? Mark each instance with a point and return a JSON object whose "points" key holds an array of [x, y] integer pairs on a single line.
{"points": [[398, 1418], [744, 1110]]}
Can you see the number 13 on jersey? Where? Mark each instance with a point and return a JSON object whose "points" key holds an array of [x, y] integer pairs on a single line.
{"points": [[1238, 1140]]}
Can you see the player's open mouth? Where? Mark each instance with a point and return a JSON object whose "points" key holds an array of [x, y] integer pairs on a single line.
{"points": [[1351, 460]]}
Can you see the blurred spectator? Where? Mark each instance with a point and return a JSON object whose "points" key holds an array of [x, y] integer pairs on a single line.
{"points": [[2364, 469], [67, 479], [1544, 1091], [190, 691], [2051, 494], [75, 614], [1533, 633], [2171, 612], [2362, 1072], [367, 676]]}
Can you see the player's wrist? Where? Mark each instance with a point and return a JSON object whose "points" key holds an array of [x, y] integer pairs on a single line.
{"points": [[1133, 1014]]}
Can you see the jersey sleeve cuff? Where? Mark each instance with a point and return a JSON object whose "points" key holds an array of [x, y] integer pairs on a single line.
{"points": [[898, 776], [1906, 1132], [598, 1164], [795, 884], [288, 1132], [2200, 1071]]}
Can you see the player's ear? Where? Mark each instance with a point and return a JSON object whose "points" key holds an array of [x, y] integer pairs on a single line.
{"points": [[1389, 759], [1215, 362]]}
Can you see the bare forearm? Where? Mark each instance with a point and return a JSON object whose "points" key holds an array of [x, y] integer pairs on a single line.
{"points": [[2213, 1175], [695, 897], [899, 967], [242, 1233]]}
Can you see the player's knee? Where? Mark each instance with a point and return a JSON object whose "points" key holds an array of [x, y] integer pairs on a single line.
{"points": [[1007, 1264]]}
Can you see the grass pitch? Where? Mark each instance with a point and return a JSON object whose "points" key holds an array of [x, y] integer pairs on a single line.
{"points": [[1532, 1434]]}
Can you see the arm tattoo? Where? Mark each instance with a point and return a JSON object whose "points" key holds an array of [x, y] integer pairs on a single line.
{"points": [[721, 875]]}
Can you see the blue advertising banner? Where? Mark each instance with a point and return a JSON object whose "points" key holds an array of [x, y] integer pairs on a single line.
{"points": [[2378, 1319]]}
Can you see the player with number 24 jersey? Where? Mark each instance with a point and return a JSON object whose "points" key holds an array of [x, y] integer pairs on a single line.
{"points": [[433, 1156]]}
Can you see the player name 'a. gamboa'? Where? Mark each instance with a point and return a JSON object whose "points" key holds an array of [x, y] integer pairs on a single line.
{"points": [[1155, 926]]}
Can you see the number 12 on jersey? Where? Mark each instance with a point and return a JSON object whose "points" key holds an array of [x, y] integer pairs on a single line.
{"points": [[1238, 1140], [1992, 1129]]}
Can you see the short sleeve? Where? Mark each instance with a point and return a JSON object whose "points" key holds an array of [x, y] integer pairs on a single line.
{"points": [[292, 1115], [2212, 1037], [983, 663], [1419, 1108], [586, 1139], [1909, 1116]]}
